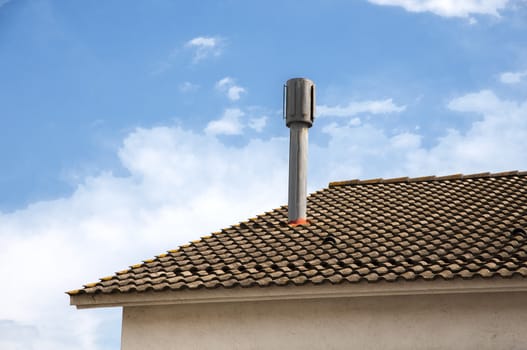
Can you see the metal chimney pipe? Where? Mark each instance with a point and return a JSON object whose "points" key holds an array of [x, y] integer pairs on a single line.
{"points": [[299, 115]]}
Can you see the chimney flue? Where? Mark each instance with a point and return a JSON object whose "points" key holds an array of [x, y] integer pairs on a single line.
{"points": [[299, 115]]}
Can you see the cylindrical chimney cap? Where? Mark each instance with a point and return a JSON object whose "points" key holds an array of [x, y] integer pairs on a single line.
{"points": [[300, 101]]}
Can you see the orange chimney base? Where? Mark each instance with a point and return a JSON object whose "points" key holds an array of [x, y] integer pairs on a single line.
{"points": [[298, 222]]}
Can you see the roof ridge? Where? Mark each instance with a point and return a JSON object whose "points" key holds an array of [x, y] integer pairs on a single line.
{"points": [[425, 178]]}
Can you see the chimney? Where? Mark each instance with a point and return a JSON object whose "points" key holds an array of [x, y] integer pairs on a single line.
{"points": [[299, 116]]}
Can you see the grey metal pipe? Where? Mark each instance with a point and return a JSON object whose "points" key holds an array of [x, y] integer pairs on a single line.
{"points": [[298, 145], [300, 110]]}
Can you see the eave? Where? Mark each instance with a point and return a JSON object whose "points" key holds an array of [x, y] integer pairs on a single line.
{"points": [[292, 292]]}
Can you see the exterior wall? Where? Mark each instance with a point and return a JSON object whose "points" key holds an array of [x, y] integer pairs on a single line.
{"points": [[459, 321]]}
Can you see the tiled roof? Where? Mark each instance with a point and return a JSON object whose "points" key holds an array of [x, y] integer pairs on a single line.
{"points": [[452, 227]]}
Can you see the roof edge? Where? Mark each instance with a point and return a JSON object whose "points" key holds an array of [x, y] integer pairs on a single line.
{"points": [[292, 292], [424, 178]]}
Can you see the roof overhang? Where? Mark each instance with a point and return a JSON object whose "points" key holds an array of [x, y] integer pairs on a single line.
{"points": [[292, 292]]}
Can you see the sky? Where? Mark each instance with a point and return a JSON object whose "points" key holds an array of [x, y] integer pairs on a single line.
{"points": [[129, 128]]}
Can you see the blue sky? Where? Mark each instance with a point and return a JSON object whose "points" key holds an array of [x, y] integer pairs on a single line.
{"points": [[127, 128]]}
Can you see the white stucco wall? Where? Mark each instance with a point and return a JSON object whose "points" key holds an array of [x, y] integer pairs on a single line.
{"points": [[460, 321]]}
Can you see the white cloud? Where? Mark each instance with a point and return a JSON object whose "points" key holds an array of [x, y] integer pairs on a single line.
{"points": [[200, 47], [512, 77], [234, 121], [357, 107], [449, 8], [183, 184], [354, 122], [225, 82], [228, 86], [363, 151], [234, 92], [15, 336], [478, 102], [187, 86], [258, 124], [228, 124], [205, 47], [493, 142]]}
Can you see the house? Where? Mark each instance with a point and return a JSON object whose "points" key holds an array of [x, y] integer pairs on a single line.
{"points": [[405, 263]]}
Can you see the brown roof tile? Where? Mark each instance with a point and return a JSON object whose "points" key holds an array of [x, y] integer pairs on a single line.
{"points": [[457, 226]]}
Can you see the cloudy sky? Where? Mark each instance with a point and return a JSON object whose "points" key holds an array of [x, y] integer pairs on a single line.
{"points": [[128, 128]]}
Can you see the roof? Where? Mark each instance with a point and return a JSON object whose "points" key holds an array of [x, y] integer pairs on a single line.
{"points": [[403, 229]]}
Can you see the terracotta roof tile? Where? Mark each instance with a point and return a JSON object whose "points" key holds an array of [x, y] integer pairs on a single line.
{"points": [[456, 226]]}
